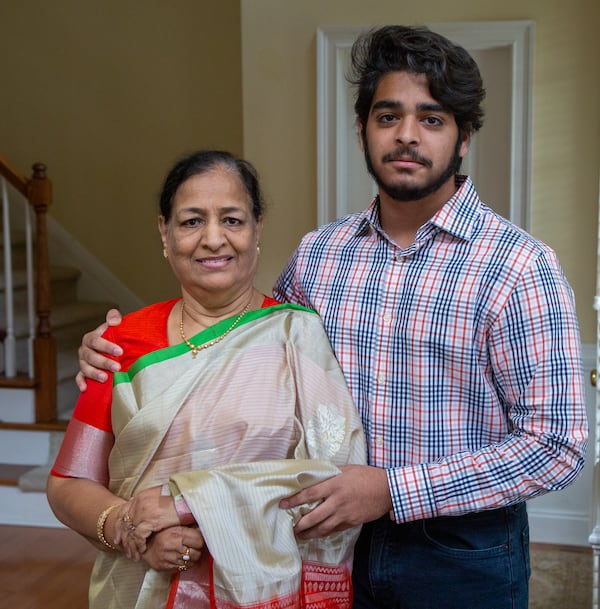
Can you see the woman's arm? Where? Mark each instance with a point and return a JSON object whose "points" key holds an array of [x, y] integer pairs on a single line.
{"points": [[78, 503]]}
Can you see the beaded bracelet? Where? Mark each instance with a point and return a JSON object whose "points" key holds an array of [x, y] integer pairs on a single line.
{"points": [[100, 526]]}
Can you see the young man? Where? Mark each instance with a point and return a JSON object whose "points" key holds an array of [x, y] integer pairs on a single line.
{"points": [[458, 337]]}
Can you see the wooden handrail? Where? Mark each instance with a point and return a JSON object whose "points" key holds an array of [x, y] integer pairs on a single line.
{"points": [[13, 177], [38, 191]]}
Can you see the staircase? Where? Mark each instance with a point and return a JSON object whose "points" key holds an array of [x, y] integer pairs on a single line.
{"points": [[35, 405]]}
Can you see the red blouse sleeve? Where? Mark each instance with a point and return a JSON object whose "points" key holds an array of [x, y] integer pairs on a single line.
{"points": [[139, 333]]}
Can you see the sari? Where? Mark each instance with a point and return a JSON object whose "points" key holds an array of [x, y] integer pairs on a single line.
{"points": [[247, 422]]}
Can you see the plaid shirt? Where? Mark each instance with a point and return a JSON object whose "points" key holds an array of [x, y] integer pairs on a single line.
{"points": [[462, 354]]}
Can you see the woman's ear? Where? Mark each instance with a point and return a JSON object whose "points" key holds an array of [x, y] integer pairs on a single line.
{"points": [[259, 228], [162, 229]]}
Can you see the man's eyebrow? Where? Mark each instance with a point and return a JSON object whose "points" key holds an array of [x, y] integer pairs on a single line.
{"points": [[391, 104], [388, 104]]}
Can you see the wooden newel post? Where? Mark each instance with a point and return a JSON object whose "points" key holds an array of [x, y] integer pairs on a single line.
{"points": [[39, 193]]}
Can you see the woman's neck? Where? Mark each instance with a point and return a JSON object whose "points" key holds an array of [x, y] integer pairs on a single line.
{"points": [[206, 311]]}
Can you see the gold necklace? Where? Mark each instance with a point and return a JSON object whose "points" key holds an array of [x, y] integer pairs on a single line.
{"points": [[196, 348]]}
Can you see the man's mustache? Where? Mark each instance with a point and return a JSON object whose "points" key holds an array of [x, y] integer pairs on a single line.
{"points": [[402, 154]]}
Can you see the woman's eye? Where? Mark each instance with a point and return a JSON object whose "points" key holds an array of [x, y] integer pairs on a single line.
{"points": [[232, 221], [191, 222]]}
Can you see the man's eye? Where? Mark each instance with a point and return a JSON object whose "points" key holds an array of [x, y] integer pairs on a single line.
{"points": [[433, 121], [387, 118]]}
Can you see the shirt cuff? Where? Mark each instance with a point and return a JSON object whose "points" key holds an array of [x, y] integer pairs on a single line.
{"points": [[412, 493]]}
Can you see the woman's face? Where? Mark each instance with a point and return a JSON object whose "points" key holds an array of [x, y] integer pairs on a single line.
{"points": [[212, 236]]}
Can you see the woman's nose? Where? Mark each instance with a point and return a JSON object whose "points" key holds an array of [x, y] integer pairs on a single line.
{"points": [[213, 235]]}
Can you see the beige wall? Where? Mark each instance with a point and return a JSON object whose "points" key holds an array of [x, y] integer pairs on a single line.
{"points": [[279, 75], [108, 94]]}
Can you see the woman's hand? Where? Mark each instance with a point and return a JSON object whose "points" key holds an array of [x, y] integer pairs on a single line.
{"points": [[146, 513], [177, 548]]}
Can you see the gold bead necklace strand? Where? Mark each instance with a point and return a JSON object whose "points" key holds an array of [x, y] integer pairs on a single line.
{"points": [[196, 348]]}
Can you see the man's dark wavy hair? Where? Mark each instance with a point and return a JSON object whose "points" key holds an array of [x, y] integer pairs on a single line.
{"points": [[453, 76]]}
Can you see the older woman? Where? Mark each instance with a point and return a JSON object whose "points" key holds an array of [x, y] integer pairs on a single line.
{"points": [[226, 401]]}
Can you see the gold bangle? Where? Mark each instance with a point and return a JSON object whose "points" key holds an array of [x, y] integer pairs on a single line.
{"points": [[100, 526]]}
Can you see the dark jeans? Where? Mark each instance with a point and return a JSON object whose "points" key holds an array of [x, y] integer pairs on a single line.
{"points": [[476, 561]]}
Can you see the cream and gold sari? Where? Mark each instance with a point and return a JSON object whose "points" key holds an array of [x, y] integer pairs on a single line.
{"points": [[249, 421]]}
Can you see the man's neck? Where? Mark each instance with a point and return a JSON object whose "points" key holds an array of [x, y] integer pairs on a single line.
{"points": [[402, 219]]}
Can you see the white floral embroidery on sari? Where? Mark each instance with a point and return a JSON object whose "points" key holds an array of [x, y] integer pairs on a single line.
{"points": [[325, 432]]}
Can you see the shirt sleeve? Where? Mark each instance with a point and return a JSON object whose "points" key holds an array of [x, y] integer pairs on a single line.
{"points": [[286, 288], [536, 370]]}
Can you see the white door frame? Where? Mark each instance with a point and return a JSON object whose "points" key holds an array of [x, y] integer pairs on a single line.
{"points": [[335, 113], [594, 441]]}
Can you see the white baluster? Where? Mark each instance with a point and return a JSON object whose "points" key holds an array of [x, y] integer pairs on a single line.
{"points": [[10, 367], [30, 290]]}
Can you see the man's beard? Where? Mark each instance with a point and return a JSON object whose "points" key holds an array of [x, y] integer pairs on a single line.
{"points": [[402, 192]]}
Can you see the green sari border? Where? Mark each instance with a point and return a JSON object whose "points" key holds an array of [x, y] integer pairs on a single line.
{"points": [[206, 335]]}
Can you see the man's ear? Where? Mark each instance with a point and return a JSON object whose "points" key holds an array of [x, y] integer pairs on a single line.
{"points": [[465, 142], [359, 130]]}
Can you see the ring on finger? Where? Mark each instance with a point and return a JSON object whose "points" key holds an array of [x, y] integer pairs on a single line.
{"points": [[186, 558], [128, 521]]}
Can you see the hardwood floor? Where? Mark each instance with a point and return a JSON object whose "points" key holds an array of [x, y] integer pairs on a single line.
{"points": [[43, 568], [46, 568]]}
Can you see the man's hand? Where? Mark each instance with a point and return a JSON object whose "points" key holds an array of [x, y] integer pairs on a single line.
{"points": [[359, 494], [92, 362]]}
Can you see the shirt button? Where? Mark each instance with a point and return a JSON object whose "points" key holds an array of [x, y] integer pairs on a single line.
{"points": [[387, 318], [400, 258], [379, 441], [381, 379]]}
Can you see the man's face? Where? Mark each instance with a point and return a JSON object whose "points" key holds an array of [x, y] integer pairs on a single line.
{"points": [[411, 144]]}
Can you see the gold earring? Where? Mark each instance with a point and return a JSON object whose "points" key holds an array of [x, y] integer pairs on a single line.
{"points": [[165, 252], [258, 249]]}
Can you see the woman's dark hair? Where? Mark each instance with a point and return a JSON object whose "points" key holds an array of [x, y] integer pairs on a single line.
{"points": [[452, 74], [203, 161]]}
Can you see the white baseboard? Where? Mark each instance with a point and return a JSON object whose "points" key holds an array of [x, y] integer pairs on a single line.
{"points": [[25, 509], [566, 528]]}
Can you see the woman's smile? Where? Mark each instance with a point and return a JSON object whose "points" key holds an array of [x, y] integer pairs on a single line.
{"points": [[215, 262]]}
